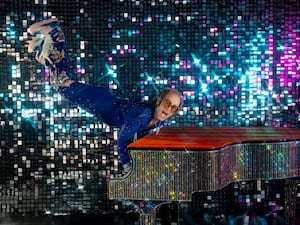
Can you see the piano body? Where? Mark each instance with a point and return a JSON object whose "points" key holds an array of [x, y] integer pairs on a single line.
{"points": [[178, 161]]}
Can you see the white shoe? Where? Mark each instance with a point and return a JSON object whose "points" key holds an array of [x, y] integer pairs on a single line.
{"points": [[127, 167], [48, 42], [49, 27], [43, 27]]}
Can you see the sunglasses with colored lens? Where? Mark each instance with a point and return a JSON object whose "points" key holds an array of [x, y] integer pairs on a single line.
{"points": [[168, 104]]}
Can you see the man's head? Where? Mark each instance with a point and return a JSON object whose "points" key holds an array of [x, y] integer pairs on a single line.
{"points": [[168, 103]]}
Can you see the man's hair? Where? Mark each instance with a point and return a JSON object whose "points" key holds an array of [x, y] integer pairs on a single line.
{"points": [[164, 92]]}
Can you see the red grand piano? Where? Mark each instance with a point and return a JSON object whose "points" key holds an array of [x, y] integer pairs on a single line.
{"points": [[178, 161]]}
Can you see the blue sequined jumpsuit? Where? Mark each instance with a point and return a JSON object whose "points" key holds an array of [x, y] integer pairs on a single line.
{"points": [[132, 118]]}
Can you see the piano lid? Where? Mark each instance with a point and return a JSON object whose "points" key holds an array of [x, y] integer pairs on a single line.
{"points": [[210, 137]]}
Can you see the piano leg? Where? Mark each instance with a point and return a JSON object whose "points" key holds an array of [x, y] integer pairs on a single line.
{"points": [[148, 210], [148, 218], [290, 200]]}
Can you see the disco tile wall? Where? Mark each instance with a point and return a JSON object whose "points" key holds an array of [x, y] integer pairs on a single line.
{"points": [[235, 62]]}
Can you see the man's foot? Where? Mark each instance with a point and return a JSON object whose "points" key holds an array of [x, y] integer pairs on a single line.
{"points": [[49, 45], [127, 168]]}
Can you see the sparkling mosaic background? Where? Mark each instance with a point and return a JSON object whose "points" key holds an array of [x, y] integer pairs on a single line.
{"points": [[236, 63]]}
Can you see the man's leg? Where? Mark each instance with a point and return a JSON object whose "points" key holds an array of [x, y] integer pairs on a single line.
{"points": [[50, 47]]}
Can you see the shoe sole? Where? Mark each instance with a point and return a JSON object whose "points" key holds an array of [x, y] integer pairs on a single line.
{"points": [[43, 27]]}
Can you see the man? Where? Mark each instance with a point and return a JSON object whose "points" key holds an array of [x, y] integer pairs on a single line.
{"points": [[135, 119]]}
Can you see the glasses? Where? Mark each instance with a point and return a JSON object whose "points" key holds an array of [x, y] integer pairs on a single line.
{"points": [[168, 104]]}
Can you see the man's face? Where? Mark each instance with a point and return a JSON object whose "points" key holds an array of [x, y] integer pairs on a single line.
{"points": [[167, 107]]}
